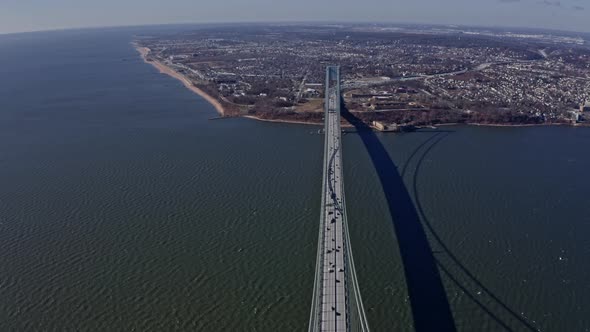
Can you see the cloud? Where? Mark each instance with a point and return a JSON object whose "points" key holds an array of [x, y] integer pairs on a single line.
{"points": [[555, 3], [552, 3]]}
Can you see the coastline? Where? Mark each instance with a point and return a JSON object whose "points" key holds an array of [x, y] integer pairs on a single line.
{"points": [[511, 124], [164, 69], [253, 117]]}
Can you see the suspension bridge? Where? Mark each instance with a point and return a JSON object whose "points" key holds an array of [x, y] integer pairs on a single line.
{"points": [[337, 304]]}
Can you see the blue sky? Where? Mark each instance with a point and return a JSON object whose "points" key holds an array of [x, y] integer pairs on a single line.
{"points": [[30, 15]]}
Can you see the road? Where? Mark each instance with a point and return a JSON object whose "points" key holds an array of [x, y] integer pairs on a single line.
{"points": [[301, 87], [336, 304], [334, 296]]}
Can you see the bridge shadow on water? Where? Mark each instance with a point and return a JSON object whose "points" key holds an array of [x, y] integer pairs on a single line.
{"points": [[428, 300], [466, 280]]}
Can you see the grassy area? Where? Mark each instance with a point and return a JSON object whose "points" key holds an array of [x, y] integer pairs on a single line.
{"points": [[313, 105]]}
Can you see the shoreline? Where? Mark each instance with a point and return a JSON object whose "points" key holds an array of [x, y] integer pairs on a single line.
{"points": [[164, 69], [253, 117], [512, 125]]}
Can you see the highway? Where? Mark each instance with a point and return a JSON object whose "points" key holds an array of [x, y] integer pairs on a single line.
{"points": [[334, 292], [335, 306]]}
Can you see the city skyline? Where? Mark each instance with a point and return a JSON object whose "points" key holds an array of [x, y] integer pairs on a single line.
{"points": [[567, 15]]}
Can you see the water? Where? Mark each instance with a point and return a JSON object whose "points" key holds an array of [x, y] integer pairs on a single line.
{"points": [[122, 207]]}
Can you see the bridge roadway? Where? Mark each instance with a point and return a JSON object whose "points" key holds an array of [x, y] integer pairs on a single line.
{"points": [[336, 304], [334, 296], [330, 310]]}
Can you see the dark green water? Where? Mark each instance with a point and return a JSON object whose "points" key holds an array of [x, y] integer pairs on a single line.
{"points": [[123, 208]]}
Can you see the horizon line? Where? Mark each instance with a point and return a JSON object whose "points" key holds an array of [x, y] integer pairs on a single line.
{"points": [[247, 22]]}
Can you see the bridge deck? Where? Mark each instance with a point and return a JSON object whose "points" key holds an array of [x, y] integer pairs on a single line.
{"points": [[336, 304], [333, 262]]}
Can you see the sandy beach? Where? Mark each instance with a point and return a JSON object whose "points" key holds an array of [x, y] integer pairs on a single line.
{"points": [[144, 51]]}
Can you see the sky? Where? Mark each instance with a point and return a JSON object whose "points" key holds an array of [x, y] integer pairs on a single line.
{"points": [[33, 15]]}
